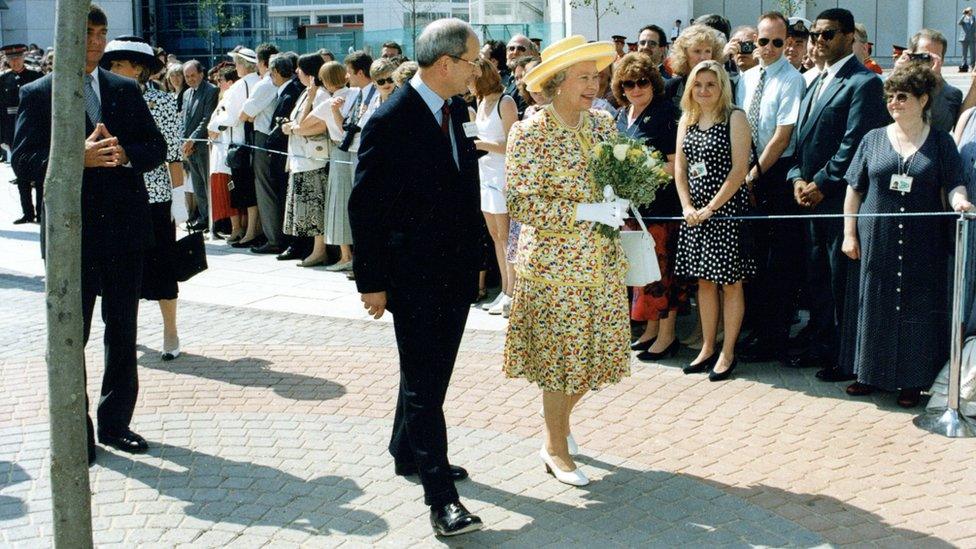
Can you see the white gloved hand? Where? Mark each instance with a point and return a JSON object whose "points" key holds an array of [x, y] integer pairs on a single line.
{"points": [[610, 214]]}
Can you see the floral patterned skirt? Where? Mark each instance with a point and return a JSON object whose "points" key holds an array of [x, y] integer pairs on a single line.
{"points": [[568, 339], [658, 299], [305, 203]]}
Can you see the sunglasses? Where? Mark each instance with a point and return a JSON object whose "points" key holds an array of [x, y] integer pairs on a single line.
{"points": [[516, 48], [777, 42], [827, 35], [898, 97], [640, 83], [650, 43], [383, 81]]}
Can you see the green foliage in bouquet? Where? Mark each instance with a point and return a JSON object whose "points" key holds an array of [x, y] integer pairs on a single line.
{"points": [[634, 170]]}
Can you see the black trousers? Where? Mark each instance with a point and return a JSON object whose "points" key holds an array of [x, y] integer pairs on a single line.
{"points": [[428, 334], [269, 191], [828, 287], [781, 255], [26, 204], [118, 279]]}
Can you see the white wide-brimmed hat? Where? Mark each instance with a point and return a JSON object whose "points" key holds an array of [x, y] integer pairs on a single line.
{"points": [[566, 53], [246, 54]]}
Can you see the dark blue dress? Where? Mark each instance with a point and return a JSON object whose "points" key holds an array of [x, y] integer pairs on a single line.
{"points": [[902, 310]]}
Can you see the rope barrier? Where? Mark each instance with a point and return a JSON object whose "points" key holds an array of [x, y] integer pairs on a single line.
{"points": [[968, 215], [255, 147]]}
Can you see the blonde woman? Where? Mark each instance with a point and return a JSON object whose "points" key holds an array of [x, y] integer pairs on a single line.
{"points": [[710, 169], [695, 44]]}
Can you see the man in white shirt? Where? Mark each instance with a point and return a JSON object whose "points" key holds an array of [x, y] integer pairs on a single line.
{"points": [[771, 93], [357, 71], [258, 108]]}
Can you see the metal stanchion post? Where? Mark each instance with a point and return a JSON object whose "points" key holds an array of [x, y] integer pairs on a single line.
{"points": [[949, 422]]}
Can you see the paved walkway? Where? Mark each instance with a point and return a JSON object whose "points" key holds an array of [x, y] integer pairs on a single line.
{"points": [[271, 431]]}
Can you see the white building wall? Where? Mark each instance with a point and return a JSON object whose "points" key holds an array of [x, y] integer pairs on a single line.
{"points": [[32, 21], [630, 20]]}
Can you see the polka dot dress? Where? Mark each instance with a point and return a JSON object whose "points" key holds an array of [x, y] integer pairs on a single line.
{"points": [[714, 249]]}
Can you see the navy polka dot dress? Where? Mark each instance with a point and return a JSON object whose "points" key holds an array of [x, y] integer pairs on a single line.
{"points": [[713, 250]]}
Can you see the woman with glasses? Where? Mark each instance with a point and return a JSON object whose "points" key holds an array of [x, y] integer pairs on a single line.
{"points": [[647, 115], [902, 313], [695, 44]]}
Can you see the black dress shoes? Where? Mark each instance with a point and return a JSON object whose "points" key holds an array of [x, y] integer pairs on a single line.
{"points": [[291, 253], [409, 469], [702, 366], [267, 248], [453, 520], [23, 220], [126, 440], [831, 375], [669, 351], [197, 227], [715, 376], [639, 345]]}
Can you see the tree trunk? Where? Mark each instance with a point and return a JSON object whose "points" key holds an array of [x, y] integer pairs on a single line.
{"points": [[596, 10], [70, 490]]}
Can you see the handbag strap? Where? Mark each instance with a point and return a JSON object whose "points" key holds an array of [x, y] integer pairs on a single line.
{"points": [[640, 220]]}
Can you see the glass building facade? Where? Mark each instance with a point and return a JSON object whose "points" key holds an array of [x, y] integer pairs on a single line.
{"points": [[191, 28]]}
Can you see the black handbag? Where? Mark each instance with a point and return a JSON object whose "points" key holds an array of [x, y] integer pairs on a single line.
{"points": [[189, 257], [239, 155]]}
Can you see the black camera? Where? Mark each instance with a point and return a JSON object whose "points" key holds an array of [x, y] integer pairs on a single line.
{"points": [[924, 57], [746, 48], [351, 131]]}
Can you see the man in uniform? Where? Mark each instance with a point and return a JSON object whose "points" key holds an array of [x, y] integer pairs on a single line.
{"points": [[10, 83]]}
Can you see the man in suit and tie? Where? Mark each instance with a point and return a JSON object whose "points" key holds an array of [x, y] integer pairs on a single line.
{"points": [[123, 142], [840, 106], [199, 100], [288, 89], [416, 220]]}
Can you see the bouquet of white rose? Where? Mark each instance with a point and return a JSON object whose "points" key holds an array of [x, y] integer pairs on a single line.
{"points": [[632, 169]]}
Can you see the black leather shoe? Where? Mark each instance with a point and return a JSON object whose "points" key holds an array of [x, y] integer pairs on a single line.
{"points": [[702, 366], [197, 227], [291, 253], [256, 241], [267, 248], [453, 520], [23, 220], [127, 441], [831, 375], [713, 376], [669, 351], [409, 469], [638, 345]]}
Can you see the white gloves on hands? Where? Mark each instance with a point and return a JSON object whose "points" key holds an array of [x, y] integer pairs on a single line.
{"points": [[610, 214]]}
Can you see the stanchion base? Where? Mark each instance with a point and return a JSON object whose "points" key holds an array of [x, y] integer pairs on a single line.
{"points": [[948, 422]]}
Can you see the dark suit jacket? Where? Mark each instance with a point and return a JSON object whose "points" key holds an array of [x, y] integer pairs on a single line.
{"points": [[286, 103], [197, 111], [827, 137], [114, 204], [415, 216]]}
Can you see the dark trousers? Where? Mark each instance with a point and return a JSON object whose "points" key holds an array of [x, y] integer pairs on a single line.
{"points": [[428, 335], [198, 166], [118, 279], [26, 204], [781, 256], [270, 193], [828, 287]]}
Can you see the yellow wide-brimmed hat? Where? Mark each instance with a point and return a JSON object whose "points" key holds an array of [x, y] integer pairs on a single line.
{"points": [[566, 53]]}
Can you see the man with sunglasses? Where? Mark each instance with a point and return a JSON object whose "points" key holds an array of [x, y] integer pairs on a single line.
{"points": [[929, 46], [518, 46], [652, 41], [771, 93], [840, 106]]}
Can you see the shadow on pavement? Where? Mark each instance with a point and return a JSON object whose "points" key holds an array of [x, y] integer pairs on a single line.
{"points": [[245, 372], [11, 507], [21, 282], [218, 489], [22, 235]]}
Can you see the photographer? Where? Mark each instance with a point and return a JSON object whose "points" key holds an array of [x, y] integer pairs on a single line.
{"points": [[928, 47], [741, 49]]}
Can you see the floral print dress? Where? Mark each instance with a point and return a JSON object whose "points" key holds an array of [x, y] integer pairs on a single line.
{"points": [[569, 330]]}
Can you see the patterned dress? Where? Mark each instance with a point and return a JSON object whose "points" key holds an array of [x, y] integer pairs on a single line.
{"points": [[569, 330]]}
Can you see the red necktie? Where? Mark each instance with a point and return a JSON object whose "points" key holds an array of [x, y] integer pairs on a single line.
{"points": [[446, 119]]}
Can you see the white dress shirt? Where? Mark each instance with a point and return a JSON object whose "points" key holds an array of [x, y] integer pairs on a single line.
{"points": [[233, 105], [832, 71], [261, 104]]}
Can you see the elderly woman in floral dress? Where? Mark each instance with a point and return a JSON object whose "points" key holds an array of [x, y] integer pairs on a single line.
{"points": [[568, 331]]}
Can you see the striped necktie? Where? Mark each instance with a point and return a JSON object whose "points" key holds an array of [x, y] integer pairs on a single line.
{"points": [[753, 114], [92, 106]]}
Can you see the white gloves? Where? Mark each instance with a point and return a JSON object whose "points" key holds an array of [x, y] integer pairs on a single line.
{"points": [[610, 214]]}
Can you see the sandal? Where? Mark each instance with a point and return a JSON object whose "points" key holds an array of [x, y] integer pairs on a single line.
{"points": [[908, 398], [858, 389]]}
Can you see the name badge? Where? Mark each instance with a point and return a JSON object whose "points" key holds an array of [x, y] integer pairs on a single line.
{"points": [[230, 185], [901, 183], [697, 170], [470, 129]]}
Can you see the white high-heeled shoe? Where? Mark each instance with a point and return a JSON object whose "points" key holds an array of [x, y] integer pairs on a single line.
{"points": [[573, 478], [171, 351], [570, 441]]}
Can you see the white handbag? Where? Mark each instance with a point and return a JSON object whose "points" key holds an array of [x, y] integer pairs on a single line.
{"points": [[641, 255], [318, 149]]}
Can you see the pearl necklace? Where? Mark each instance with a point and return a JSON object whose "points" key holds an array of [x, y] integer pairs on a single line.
{"points": [[576, 128]]}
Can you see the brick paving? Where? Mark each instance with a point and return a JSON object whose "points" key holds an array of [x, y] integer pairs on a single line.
{"points": [[271, 431]]}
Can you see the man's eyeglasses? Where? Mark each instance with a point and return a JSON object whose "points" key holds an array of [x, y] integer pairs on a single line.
{"points": [[640, 83], [777, 42], [472, 63], [519, 49], [897, 97], [383, 81], [827, 35], [651, 43]]}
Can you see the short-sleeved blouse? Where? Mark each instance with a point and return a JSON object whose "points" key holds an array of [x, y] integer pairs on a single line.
{"points": [[657, 126]]}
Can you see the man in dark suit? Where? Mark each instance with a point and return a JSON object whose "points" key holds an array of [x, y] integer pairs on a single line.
{"points": [[199, 100], [123, 143], [416, 220], [10, 83], [840, 106], [282, 69]]}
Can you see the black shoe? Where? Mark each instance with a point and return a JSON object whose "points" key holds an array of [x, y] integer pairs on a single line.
{"points": [[702, 366], [291, 253], [724, 375], [197, 227], [409, 469], [639, 345], [126, 440], [254, 242], [670, 351], [831, 375], [453, 520], [23, 220], [760, 351], [267, 248]]}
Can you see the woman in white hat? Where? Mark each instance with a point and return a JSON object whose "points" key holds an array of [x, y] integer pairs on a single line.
{"points": [[569, 330], [134, 58]]}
